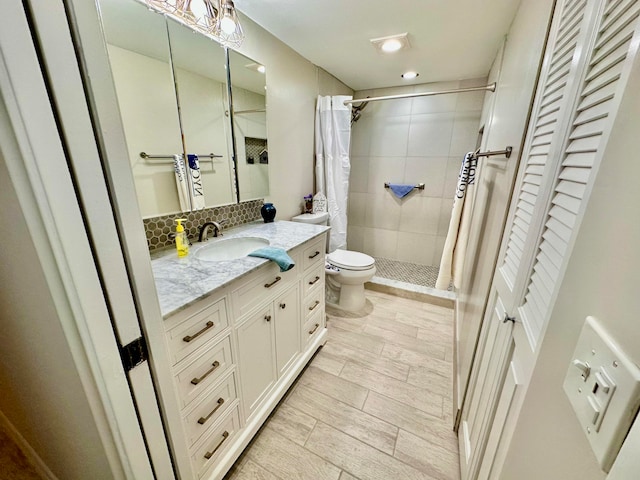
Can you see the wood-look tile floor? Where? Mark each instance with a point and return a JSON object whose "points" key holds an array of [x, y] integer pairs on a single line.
{"points": [[374, 403]]}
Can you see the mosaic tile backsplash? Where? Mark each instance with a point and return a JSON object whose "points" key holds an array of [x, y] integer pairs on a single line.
{"points": [[159, 228]]}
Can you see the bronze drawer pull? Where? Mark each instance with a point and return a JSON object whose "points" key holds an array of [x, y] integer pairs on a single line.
{"points": [[283, 306], [204, 419], [269, 285], [314, 255], [311, 332], [315, 280], [314, 305], [188, 338], [208, 455], [267, 318], [214, 365]]}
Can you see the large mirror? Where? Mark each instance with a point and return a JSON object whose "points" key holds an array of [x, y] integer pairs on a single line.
{"points": [[199, 66], [173, 98], [248, 81], [138, 48]]}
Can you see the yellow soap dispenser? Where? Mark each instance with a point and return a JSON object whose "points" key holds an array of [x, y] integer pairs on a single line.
{"points": [[182, 242]]}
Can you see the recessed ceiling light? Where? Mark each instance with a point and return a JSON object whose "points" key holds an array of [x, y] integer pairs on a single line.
{"points": [[392, 43], [262, 69], [409, 75]]}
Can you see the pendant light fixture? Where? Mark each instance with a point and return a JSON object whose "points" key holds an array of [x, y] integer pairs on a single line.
{"points": [[214, 18]]}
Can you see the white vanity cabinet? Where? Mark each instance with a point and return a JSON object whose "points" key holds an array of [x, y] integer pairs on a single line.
{"points": [[268, 343], [237, 351]]}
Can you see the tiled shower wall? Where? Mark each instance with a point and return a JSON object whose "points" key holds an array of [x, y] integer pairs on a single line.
{"points": [[411, 141]]}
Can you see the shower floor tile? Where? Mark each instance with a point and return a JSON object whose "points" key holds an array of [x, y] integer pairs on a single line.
{"points": [[423, 275]]}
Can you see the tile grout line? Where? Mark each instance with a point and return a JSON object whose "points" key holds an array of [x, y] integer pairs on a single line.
{"points": [[364, 443]]}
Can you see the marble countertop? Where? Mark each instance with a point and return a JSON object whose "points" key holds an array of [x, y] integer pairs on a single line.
{"points": [[182, 281]]}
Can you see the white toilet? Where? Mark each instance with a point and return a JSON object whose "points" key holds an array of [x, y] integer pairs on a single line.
{"points": [[346, 271]]}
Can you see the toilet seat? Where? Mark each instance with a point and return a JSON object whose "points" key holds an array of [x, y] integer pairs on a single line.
{"points": [[349, 260]]}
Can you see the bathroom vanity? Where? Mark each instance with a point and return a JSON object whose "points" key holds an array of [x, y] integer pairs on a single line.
{"points": [[238, 333]]}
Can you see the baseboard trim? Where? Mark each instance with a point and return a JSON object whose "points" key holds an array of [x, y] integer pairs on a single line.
{"points": [[39, 466]]}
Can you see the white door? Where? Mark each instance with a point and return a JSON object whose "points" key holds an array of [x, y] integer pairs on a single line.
{"points": [[256, 358], [82, 220], [591, 47]]}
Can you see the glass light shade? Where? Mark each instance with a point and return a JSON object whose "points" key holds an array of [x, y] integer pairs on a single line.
{"points": [[227, 29], [227, 25], [214, 18]]}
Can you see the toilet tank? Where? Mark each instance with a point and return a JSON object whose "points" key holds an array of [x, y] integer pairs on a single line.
{"points": [[314, 218]]}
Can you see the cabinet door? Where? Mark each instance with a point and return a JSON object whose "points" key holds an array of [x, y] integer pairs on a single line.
{"points": [[287, 313], [256, 349]]}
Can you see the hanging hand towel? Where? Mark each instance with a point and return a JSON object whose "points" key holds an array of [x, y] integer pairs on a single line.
{"points": [[457, 236], [400, 190], [197, 192], [181, 183], [278, 255]]}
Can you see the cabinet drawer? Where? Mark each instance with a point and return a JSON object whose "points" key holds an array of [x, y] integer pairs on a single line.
{"points": [[313, 327], [213, 407], [313, 254], [312, 304], [313, 280], [214, 445], [196, 330], [256, 288], [203, 371]]}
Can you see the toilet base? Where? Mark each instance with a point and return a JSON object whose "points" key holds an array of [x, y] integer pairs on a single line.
{"points": [[351, 299]]}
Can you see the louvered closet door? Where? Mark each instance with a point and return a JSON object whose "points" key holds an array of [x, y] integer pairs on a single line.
{"points": [[590, 49], [600, 92]]}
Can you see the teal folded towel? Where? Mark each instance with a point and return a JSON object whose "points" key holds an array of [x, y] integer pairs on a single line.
{"points": [[278, 255]]}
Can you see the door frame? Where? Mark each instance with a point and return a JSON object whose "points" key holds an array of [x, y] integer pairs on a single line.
{"points": [[56, 219]]}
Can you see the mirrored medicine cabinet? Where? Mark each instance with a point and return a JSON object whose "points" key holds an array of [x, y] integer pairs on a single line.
{"points": [[175, 99]]}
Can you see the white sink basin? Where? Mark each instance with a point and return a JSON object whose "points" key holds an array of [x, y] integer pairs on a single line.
{"points": [[230, 248]]}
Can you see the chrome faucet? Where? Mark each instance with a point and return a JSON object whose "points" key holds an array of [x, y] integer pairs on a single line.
{"points": [[204, 230]]}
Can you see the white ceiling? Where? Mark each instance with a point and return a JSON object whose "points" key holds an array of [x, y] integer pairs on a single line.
{"points": [[450, 39]]}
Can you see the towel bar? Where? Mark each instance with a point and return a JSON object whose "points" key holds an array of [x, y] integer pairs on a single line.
{"points": [[420, 186], [506, 152], [202, 158]]}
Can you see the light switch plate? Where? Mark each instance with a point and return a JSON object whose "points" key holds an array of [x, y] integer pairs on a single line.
{"points": [[605, 395]]}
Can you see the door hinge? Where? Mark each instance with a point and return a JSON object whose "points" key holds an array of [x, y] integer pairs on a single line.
{"points": [[134, 353], [456, 423]]}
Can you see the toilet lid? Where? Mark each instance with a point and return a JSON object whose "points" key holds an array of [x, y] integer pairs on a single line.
{"points": [[350, 260]]}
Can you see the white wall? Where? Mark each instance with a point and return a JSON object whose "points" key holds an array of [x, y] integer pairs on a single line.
{"points": [[601, 280], [293, 83], [42, 394], [410, 141]]}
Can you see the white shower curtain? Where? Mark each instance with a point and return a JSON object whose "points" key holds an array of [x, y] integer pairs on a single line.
{"points": [[333, 134]]}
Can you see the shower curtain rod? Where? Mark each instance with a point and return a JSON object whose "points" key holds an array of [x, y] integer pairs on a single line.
{"points": [[491, 88]]}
